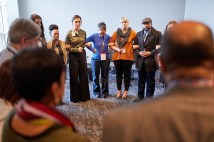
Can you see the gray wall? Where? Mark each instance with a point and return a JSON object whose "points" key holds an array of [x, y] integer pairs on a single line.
{"points": [[13, 10], [200, 10], [94, 11]]}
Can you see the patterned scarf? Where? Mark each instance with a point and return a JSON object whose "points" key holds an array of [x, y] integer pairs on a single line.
{"points": [[31, 111], [122, 39]]}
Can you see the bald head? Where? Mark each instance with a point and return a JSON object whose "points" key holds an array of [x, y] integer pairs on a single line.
{"points": [[188, 44]]}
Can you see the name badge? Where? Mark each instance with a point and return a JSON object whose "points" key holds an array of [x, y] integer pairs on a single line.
{"points": [[123, 50], [72, 33], [103, 56], [39, 44], [57, 50]]}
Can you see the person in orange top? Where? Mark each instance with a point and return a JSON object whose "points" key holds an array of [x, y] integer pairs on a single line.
{"points": [[122, 43]]}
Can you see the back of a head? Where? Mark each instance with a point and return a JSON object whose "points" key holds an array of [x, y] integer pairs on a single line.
{"points": [[22, 27], [7, 88], [189, 44], [34, 71]]}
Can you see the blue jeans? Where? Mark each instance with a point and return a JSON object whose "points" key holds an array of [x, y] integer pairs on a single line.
{"points": [[96, 66]]}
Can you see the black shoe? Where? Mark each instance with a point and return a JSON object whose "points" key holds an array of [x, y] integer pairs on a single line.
{"points": [[83, 100], [138, 99], [61, 103], [105, 95]]}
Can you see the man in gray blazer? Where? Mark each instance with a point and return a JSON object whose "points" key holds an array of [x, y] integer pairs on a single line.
{"points": [[186, 112]]}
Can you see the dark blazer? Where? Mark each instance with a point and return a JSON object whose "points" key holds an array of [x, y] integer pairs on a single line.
{"points": [[153, 38], [184, 114]]}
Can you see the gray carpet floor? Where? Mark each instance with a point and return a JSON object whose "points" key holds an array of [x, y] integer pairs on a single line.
{"points": [[88, 116]]}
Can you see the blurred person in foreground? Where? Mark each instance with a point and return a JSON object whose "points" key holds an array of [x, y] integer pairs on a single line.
{"points": [[185, 112], [39, 75], [169, 26], [22, 33], [8, 94]]}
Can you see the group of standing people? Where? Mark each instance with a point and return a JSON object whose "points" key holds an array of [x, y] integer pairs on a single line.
{"points": [[72, 52], [31, 85], [32, 80], [129, 47], [141, 48]]}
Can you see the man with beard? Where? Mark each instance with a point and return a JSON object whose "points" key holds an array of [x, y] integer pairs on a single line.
{"points": [[147, 43]]}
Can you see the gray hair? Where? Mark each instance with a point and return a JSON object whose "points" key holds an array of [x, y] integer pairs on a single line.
{"points": [[22, 27], [123, 19]]}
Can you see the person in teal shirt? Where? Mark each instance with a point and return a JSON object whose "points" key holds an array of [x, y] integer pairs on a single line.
{"points": [[100, 60]]}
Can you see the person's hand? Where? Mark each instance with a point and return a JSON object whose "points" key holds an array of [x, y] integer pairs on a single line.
{"points": [[88, 44], [119, 50], [80, 49], [67, 46], [145, 53], [141, 53], [95, 51], [135, 46], [111, 44]]}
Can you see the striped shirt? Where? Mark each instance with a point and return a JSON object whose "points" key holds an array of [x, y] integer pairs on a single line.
{"points": [[7, 54]]}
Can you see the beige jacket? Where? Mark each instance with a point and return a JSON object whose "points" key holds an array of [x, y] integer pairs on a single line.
{"points": [[62, 44]]}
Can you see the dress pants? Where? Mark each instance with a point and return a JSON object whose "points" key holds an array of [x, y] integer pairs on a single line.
{"points": [[148, 78], [123, 67], [79, 89], [98, 65]]}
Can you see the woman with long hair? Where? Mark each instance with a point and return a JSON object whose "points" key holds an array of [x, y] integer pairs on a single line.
{"points": [[38, 20]]}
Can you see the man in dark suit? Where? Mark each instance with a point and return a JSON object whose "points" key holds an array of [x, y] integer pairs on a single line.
{"points": [[147, 42], [185, 113]]}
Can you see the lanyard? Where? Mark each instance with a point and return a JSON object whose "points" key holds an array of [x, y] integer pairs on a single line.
{"points": [[102, 45], [11, 51]]}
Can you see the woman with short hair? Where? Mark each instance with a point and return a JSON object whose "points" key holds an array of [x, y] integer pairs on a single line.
{"points": [[100, 60], [122, 43], [56, 44]]}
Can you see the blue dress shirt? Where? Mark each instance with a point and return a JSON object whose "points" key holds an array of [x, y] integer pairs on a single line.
{"points": [[100, 43]]}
